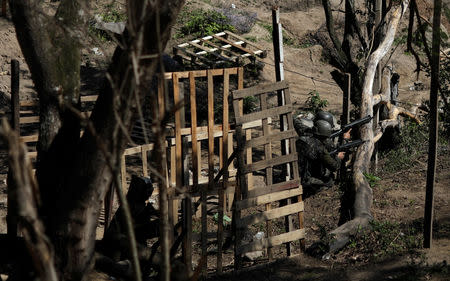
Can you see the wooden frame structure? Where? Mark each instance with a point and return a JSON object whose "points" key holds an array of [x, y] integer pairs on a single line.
{"points": [[284, 187], [192, 145], [214, 50], [187, 141]]}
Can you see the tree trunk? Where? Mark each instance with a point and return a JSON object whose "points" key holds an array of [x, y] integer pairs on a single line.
{"points": [[363, 191], [74, 173]]}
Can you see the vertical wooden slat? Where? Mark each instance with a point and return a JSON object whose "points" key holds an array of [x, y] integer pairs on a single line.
{"points": [[224, 157], [210, 167], [144, 162], [238, 107], [178, 146], [187, 241], [230, 167], [269, 172], [173, 165], [249, 154]]}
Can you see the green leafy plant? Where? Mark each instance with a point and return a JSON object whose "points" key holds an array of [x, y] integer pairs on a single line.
{"points": [[372, 179], [250, 104], [200, 23], [315, 102]]}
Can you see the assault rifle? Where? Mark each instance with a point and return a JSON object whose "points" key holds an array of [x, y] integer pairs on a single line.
{"points": [[347, 127], [346, 146]]}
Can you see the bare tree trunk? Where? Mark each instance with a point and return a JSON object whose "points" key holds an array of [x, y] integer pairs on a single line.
{"points": [[25, 192], [74, 173], [363, 191]]}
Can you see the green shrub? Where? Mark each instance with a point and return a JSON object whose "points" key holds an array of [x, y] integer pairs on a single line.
{"points": [[315, 102], [201, 23]]}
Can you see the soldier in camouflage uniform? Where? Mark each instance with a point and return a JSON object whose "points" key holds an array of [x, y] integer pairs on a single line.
{"points": [[316, 165]]}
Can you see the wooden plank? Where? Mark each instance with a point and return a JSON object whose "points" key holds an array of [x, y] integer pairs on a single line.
{"points": [[132, 150], [224, 157], [270, 215], [201, 130], [272, 241], [194, 55], [90, 98], [270, 163], [195, 151], [27, 112], [29, 119], [29, 103], [234, 44], [234, 56], [260, 89], [32, 154], [32, 138], [144, 162], [203, 73], [173, 165], [238, 107], [178, 144], [254, 124], [266, 139], [137, 149], [263, 52], [208, 51], [267, 198], [295, 183], [279, 110], [248, 136]]}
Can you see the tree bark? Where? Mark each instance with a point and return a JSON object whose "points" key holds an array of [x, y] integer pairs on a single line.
{"points": [[25, 199], [74, 173], [363, 191]]}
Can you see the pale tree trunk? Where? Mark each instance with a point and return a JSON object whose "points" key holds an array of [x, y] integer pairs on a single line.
{"points": [[75, 173], [363, 191]]}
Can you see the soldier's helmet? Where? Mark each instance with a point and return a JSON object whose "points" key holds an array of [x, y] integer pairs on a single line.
{"points": [[326, 116], [322, 128]]}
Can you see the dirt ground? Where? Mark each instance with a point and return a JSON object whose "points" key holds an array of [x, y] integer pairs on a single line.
{"points": [[398, 195]]}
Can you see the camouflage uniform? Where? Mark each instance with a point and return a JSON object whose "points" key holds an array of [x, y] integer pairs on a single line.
{"points": [[316, 165]]}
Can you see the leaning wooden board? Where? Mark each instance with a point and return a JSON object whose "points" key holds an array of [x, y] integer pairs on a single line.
{"points": [[275, 189]]}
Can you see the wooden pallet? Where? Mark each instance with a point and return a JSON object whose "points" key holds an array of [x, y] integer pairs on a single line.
{"points": [[283, 188], [218, 49]]}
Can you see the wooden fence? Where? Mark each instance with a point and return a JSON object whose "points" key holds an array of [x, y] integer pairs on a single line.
{"points": [[200, 148]]}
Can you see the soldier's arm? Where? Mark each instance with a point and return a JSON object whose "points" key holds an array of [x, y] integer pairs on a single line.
{"points": [[330, 163]]}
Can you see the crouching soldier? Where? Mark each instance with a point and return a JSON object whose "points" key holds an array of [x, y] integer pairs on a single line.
{"points": [[316, 165]]}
